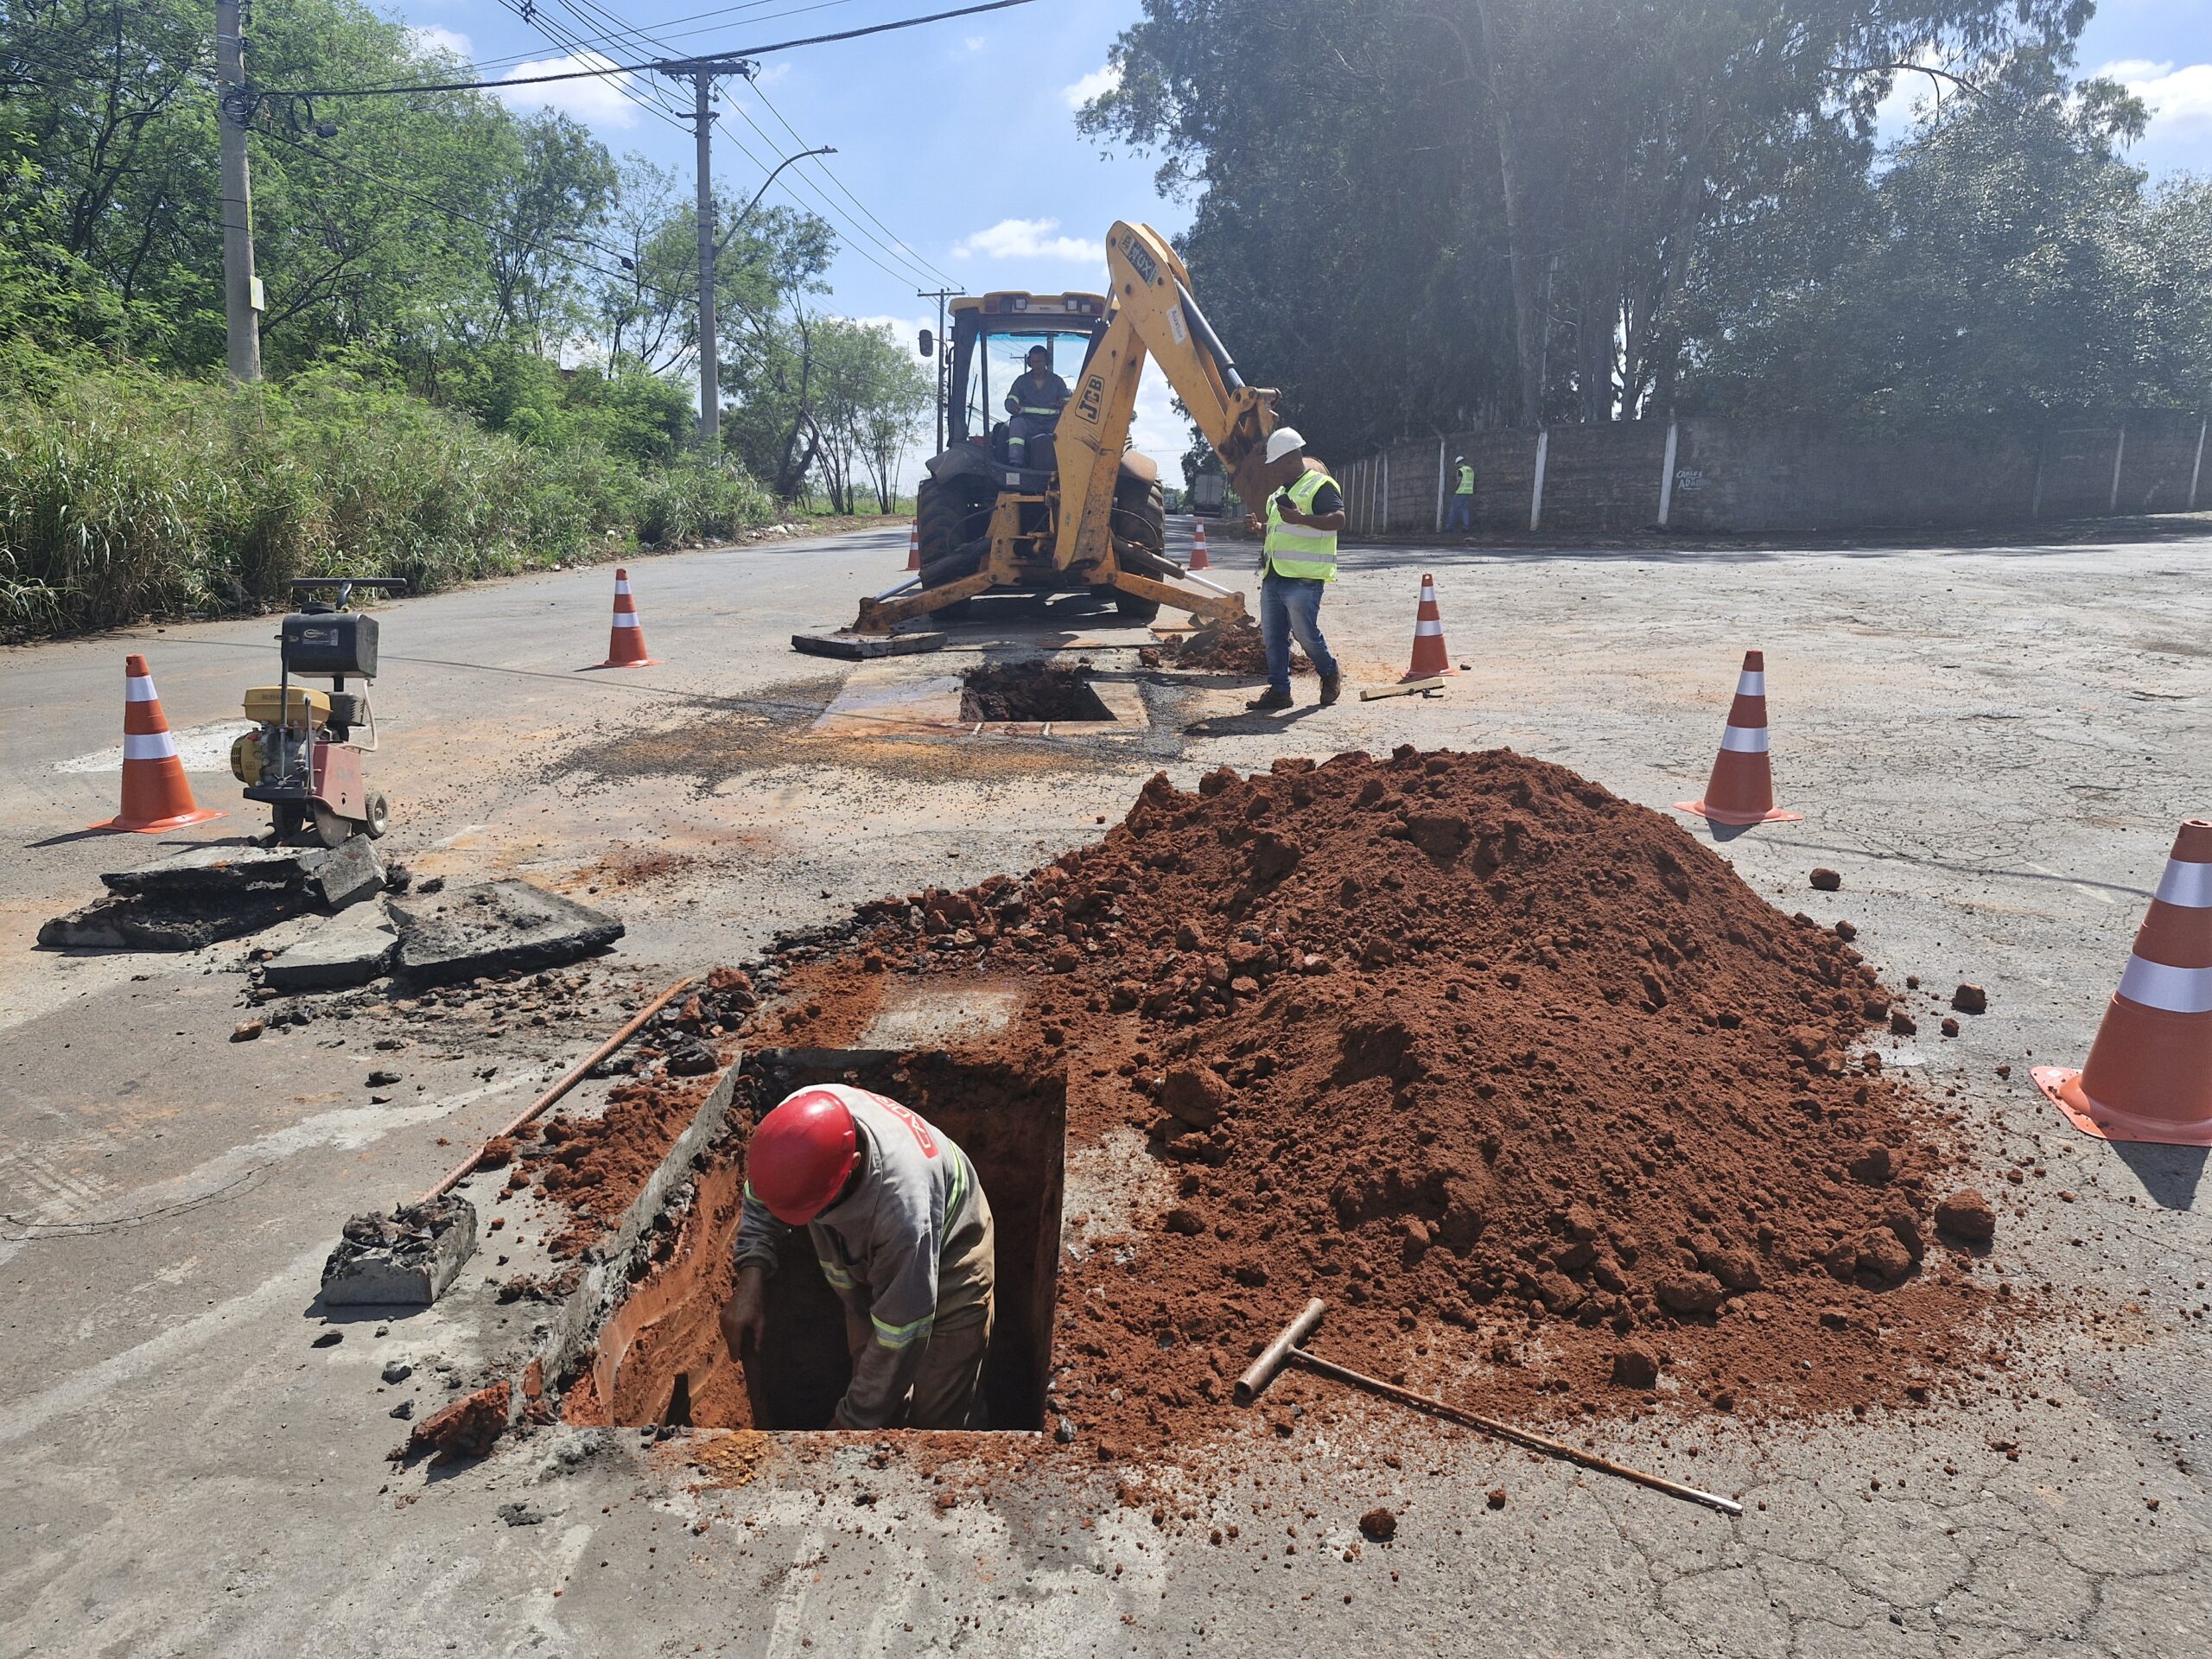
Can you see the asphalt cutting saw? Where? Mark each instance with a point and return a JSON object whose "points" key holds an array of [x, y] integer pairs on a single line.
{"points": [[303, 758]]}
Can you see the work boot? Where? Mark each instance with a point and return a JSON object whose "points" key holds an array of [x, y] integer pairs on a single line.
{"points": [[1269, 699], [1332, 684]]}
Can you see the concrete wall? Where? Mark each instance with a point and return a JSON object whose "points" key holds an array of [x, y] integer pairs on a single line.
{"points": [[1732, 476]]}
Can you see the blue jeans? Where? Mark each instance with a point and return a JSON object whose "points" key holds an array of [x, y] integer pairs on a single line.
{"points": [[1292, 605], [1462, 513]]}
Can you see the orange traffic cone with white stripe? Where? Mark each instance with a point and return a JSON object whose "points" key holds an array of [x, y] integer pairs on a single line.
{"points": [[914, 547], [156, 796], [625, 642], [1198, 559], [1741, 789], [2149, 1074], [1430, 657]]}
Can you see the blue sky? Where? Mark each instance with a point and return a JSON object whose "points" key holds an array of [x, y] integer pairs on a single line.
{"points": [[958, 152]]}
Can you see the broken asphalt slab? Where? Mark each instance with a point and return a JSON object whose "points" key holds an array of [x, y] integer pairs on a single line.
{"points": [[350, 948], [498, 927], [211, 893]]}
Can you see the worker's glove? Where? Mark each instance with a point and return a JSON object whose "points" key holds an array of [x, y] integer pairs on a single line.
{"points": [[745, 1316]]}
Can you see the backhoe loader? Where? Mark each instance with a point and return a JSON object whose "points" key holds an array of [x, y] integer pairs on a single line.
{"points": [[1081, 508]]}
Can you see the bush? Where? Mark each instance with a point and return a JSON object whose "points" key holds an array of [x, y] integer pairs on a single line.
{"points": [[128, 494]]}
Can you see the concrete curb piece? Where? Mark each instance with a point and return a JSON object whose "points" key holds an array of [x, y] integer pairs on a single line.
{"points": [[573, 1326]]}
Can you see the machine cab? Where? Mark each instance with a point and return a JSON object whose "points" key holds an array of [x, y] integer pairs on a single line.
{"points": [[991, 338]]}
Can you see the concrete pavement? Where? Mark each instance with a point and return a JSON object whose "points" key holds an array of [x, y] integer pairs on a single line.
{"points": [[1993, 745]]}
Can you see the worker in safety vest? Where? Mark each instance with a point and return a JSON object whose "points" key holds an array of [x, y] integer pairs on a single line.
{"points": [[902, 1231], [1305, 512], [1463, 497], [1035, 402]]}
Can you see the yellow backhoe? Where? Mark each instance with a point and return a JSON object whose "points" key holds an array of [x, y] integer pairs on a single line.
{"points": [[1077, 508]]}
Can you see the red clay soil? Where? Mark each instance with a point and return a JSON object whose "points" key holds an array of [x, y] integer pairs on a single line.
{"points": [[1558, 1115], [597, 1165], [1222, 648]]}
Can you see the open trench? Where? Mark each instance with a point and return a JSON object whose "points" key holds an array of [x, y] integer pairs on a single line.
{"points": [[660, 1359]]}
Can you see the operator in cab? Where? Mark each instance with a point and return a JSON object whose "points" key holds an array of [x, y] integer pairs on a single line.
{"points": [[902, 1232], [1034, 404]]}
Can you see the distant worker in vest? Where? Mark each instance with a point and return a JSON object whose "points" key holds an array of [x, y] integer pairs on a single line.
{"points": [[1035, 402], [1463, 497], [902, 1232], [1305, 512]]}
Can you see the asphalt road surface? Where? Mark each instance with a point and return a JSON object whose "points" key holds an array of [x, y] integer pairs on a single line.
{"points": [[1993, 745]]}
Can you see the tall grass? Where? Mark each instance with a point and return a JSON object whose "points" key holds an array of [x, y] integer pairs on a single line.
{"points": [[129, 495]]}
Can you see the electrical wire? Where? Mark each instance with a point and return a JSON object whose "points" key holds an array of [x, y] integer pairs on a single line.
{"points": [[913, 258], [399, 89]]}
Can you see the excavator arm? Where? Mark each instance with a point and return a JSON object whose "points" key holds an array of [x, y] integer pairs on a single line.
{"points": [[1149, 313]]}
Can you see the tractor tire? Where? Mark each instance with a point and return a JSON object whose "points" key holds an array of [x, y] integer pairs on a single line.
{"points": [[948, 521], [1140, 517]]}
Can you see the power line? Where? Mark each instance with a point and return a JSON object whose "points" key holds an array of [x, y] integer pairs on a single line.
{"points": [[626, 35], [682, 66], [913, 258]]}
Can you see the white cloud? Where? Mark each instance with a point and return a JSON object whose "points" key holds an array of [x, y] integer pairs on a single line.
{"points": [[436, 37], [975, 42], [1030, 239], [1097, 81], [2178, 98], [597, 102]]}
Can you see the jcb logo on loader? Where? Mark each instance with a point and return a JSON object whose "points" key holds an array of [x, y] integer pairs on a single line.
{"points": [[1094, 397]]}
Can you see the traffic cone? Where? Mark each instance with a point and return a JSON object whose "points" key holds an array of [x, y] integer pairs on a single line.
{"points": [[1430, 658], [156, 796], [625, 643], [2149, 1074], [914, 548], [1199, 560], [1741, 790]]}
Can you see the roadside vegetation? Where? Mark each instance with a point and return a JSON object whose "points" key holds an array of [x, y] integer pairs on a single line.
{"points": [[479, 335]]}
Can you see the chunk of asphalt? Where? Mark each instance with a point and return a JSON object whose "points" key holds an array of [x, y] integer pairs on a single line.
{"points": [[497, 927], [405, 1259], [332, 877], [350, 948], [208, 894]]}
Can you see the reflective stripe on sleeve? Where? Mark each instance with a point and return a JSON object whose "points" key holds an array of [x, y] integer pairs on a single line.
{"points": [[902, 1336]]}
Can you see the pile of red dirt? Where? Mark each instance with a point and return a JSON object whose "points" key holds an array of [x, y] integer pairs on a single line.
{"points": [[597, 1165], [1516, 1074], [1221, 648]]}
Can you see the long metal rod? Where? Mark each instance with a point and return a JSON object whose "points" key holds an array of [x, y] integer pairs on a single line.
{"points": [[1491, 1427], [459, 1173]]}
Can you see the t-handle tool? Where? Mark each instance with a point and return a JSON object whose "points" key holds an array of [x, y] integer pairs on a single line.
{"points": [[1285, 1350]]}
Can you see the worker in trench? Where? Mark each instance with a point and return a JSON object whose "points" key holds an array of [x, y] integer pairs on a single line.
{"points": [[902, 1230], [1306, 510], [1034, 402]]}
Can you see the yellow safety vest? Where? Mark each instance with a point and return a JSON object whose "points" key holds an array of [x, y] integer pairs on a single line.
{"points": [[1467, 481], [1299, 549]]}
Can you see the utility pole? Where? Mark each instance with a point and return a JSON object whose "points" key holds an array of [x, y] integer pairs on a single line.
{"points": [[241, 288], [710, 396], [944, 365]]}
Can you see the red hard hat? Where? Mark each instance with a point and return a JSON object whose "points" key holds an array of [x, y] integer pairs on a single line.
{"points": [[801, 1156]]}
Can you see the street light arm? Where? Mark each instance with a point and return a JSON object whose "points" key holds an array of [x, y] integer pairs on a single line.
{"points": [[826, 149]]}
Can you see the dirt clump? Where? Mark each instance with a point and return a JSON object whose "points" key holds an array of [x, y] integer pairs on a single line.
{"points": [[1380, 1525], [1218, 647], [467, 1428], [1966, 1214]]}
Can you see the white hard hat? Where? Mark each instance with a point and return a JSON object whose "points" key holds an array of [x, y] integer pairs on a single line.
{"points": [[1282, 440]]}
